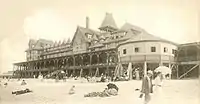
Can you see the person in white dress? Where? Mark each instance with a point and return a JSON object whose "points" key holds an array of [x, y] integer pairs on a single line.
{"points": [[72, 90], [157, 89]]}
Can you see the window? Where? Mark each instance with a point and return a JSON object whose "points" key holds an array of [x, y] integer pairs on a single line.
{"points": [[101, 40], [124, 33], [124, 51], [153, 49], [89, 36], [137, 49], [173, 51], [165, 49]]}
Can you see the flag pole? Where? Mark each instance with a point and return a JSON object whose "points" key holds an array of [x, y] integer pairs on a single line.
{"points": [[145, 68]]}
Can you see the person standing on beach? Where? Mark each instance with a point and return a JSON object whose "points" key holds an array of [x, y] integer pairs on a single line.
{"points": [[157, 89], [147, 87], [72, 90], [137, 74]]}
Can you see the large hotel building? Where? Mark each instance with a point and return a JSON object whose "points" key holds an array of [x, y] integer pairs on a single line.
{"points": [[92, 52]]}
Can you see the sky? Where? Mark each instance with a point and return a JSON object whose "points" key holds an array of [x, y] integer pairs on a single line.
{"points": [[20, 20]]}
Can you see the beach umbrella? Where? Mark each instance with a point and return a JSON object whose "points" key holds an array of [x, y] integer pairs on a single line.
{"points": [[116, 73], [129, 70], [163, 69], [111, 85]]}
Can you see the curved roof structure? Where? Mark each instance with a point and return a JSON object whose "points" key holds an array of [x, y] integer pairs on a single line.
{"points": [[127, 26], [146, 37]]}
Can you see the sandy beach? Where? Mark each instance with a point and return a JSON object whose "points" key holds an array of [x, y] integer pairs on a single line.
{"points": [[50, 92]]}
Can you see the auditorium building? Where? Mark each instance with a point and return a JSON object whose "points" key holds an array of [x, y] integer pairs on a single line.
{"points": [[93, 52]]}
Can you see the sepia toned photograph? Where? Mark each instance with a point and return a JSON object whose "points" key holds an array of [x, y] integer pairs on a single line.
{"points": [[99, 52]]}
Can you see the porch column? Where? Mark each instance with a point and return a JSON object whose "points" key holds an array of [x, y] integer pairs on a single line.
{"points": [[145, 68], [170, 75], [97, 72], [81, 60], [74, 61], [107, 62], [34, 66], [97, 58], [81, 72], [28, 66], [44, 64], [63, 63], [90, 70], [20, 73], [160, 63], [177, 74], [54, 64]]}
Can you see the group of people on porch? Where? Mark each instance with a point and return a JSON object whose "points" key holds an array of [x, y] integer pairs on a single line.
{"points": [[137, 74]]}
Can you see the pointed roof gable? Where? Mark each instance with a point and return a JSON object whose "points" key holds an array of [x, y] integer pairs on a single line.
{"points": [[59, 43], [108, 22], [95, 37], [83, 31], [127, 26], [68, 40], [64, 41], [79, 31], [39, 44], [32, 41], [55, 43]]}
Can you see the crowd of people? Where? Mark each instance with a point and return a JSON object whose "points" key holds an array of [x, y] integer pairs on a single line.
{"points": [[147, 86]]}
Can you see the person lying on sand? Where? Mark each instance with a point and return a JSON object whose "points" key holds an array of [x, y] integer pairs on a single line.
{"points": [[111, 90], [22, 91], [72, 90], [5, 84]]}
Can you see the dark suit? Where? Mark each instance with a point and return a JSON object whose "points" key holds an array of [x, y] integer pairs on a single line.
{"points": [[147, 88], [147, 85]]}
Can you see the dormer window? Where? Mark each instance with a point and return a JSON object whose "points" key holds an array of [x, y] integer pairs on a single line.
{"points": [[89, 44], [117, 37], [89, 36], [112, 37], [124, 33], [101, 40], [95, 41]]}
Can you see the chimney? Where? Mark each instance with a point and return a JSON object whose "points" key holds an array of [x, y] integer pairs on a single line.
{"points": [[87, 22]]}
